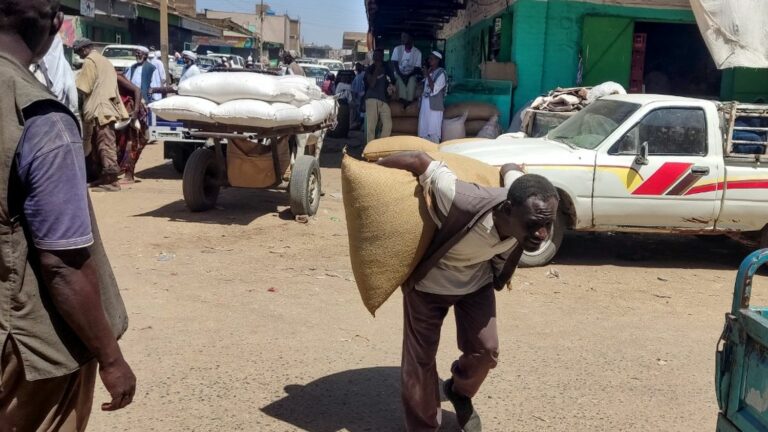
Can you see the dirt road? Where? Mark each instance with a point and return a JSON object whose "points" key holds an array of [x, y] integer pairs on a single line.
{"points": [[244, 320]]}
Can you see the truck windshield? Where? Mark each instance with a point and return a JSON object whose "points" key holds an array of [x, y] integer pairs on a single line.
{"points": [[593, 124]]}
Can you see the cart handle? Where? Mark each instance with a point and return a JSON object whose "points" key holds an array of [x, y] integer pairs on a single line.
{"points": [[742, 291]]}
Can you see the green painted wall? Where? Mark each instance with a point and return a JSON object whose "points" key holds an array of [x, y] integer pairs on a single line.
{"points": [[745, 85]]}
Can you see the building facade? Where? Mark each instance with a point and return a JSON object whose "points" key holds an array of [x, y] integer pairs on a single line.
{"points": [[648, 45]]}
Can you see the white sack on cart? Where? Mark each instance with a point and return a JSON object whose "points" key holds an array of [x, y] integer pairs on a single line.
{"points": [[303, 84], [176, 108], [319, 111], [256, 113], [223, 87]]}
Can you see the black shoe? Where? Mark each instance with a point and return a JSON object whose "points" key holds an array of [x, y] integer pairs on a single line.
{"points": [[466, 415]]}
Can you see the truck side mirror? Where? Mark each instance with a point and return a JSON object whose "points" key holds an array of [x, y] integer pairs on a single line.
{"points": [[642, 154]]}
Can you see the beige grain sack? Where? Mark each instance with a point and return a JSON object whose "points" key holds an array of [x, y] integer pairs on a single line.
{"points": [[388, 222], [474, 110], [405, 125], [384, 147]]}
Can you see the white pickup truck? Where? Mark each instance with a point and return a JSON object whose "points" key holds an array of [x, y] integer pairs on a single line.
{"points": [[649, 164]]}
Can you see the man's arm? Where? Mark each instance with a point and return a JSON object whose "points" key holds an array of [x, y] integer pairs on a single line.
{"points": [[511, 172], [70, 277], [51, 170], [128, 87], [415, 162]]}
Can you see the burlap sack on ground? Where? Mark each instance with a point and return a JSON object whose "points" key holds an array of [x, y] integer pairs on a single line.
{"points": [[396, 107], [384, 147], [388, 222], [405, 125], [474, 110]]}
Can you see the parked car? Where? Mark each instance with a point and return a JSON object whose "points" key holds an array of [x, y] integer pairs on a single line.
{"points": [[237, 61], [649, 164], [318, 72], [333, 65], [206, 63], [121, 56]]}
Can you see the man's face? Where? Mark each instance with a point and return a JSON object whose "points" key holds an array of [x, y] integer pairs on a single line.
{"points": [[140, 56], [50, 28], [530, 223], [188, 61], [83, 52], [405, 39]]}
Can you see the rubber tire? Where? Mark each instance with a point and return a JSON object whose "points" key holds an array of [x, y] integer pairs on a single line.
{"points": [[201, 168], [549, 249], [303, 200]]}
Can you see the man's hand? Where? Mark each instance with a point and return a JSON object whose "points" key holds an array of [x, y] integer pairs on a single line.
{"points": [[120, 382]]}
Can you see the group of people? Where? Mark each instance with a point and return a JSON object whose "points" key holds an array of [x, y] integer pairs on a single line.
{"points": [[399, 80]]}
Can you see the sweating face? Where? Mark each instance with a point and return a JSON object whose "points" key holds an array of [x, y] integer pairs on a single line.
{"points": [[531, 223]]}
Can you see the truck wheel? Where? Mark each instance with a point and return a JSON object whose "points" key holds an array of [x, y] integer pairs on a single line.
{"points": [[201, 181], [549, 248], [304, 188]]}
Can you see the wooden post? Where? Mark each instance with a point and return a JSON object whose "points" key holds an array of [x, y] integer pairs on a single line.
{"points": [[261, 31], [164, 38]]}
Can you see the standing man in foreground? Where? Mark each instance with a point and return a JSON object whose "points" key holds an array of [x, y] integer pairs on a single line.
{"points": [[482, 234], [102, 108], [406, 60], [60, 310], [378, 78]]}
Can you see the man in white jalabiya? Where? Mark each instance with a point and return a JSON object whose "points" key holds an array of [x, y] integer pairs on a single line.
{"points": [[433, 100]]}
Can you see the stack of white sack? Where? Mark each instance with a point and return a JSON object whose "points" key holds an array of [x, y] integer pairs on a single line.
{"points": [[248, 99]]}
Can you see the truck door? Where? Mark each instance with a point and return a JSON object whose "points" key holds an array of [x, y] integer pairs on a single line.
{"points": [[632, 190]]}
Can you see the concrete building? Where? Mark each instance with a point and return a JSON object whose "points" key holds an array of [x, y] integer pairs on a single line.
{"points": [[279, 30]]}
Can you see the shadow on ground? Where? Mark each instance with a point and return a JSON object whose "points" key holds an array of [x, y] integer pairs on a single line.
{"points": [[360, 400], [234, 207], [652, 251], [164, 171]]}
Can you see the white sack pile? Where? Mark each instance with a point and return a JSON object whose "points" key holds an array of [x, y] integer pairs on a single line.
{"points": [[248, 99]]}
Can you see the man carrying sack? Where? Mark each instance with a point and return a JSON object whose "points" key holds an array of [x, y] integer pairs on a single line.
{"points": [[481, 235]]}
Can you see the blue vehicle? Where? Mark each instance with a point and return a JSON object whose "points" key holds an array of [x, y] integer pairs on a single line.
{"points": [[741, 376]]}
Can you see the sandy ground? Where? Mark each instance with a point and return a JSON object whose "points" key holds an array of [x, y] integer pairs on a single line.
{"points": [[244, 320]]}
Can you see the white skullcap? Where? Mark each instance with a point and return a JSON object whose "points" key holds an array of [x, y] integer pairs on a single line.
{"points": [[159, 54], [189, 54], [143, 49], [437, 54]]}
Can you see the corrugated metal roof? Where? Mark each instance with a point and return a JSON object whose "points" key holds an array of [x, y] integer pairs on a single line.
{"points": [[421, 19]]}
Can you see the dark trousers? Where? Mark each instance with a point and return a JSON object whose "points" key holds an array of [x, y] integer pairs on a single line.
{"points": [[477, 339]]}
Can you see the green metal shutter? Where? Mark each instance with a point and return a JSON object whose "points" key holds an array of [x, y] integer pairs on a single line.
{"points": [[607, 49]]}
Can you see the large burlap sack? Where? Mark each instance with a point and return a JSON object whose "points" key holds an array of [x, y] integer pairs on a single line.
{"points": [[473, 127], [176, 108], [474, 110], [405, 125], [412, 110], [453, 128], [251, 165], [388, 222], [384, 147], [256, 113], [491, 130]]}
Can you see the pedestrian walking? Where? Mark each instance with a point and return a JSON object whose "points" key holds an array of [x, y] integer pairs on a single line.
{"points": [[156, 58], [482, 234], [378, 78], [144, 75], [63, 313], [358, 92], [433, 100], [292, 68], [190, 66], [54, 71], [132, 137], [406, 60], [97, 81]]}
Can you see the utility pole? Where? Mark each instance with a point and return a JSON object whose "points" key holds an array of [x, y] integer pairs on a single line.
{"points": [[164, 37], [261, 31]]}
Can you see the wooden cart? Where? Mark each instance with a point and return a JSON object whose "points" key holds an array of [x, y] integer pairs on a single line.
{"points": [[206, 170]]}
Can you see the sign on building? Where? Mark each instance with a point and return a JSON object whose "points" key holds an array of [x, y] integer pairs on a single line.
{"points": [[88, 8]]}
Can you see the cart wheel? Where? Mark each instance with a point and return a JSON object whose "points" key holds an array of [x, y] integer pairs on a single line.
{"points": [[305, 186], [201, 181]]}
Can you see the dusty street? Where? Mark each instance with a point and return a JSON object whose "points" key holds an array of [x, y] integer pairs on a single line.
{"points": [[242, 319]]}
